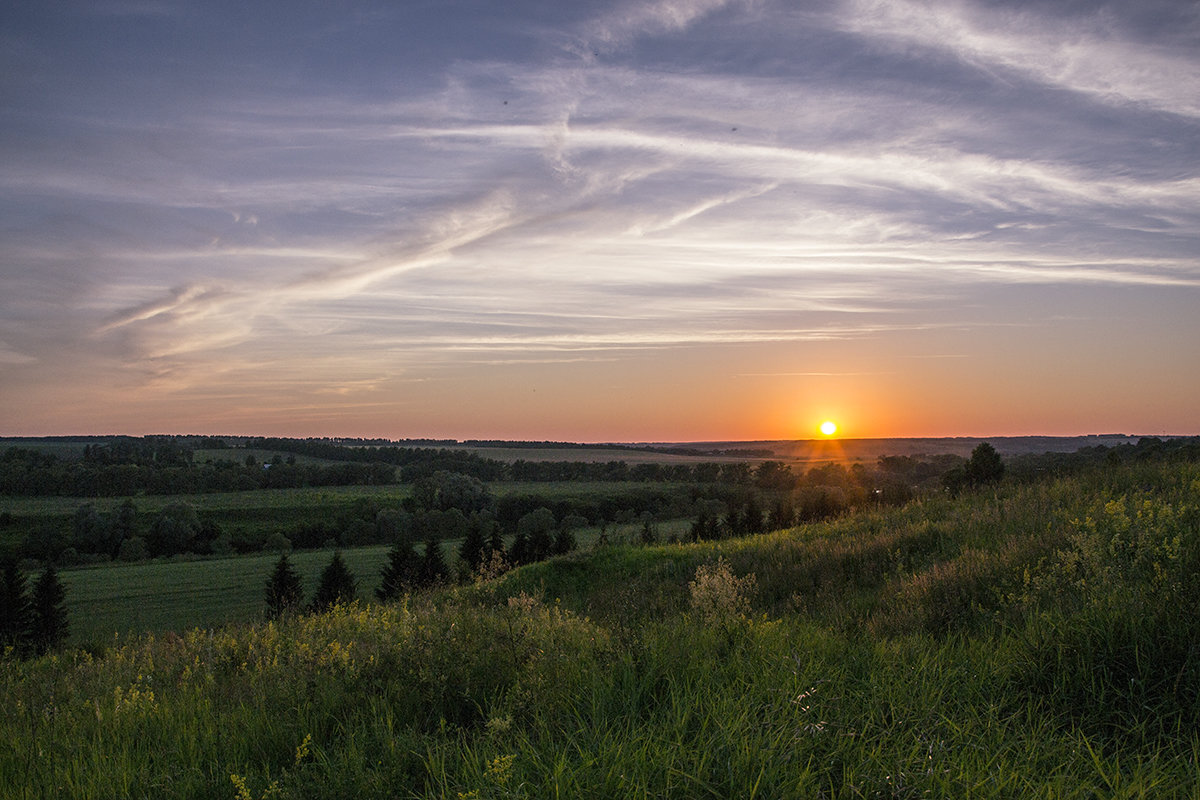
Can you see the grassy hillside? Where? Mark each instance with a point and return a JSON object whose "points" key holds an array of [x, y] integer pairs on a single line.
{"points": [[1032, 641]]}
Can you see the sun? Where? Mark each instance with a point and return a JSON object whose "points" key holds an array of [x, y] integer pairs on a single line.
{"points": [[828, 427]]}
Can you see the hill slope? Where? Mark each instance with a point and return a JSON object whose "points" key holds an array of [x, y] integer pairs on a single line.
{"points": [[1031, 640]]}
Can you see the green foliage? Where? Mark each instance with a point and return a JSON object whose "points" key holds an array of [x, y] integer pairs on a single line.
{"points": [[985, 465], [1033, 641], [15, 612], [133, 549], [433, 569], [337, 586], [402, 572], [284, 592], [49, 624]]}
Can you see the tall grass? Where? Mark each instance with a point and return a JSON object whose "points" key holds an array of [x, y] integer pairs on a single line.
{"points": [[1006, 644]]}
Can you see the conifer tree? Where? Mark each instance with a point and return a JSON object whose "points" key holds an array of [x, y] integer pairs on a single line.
{"points": [[495, 540], [401, 571], [49, 618], [474, 544], [337, 585], [433, 564], [284, 590], [520, 548], [15, 613], [564, 541]]}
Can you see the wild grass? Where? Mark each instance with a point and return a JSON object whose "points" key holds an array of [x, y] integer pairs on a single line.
{"points": [[1032, 641]]}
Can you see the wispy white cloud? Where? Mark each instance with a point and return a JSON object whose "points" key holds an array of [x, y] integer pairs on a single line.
{"points": [[700, 174], [636, 18], [1082, 53]]}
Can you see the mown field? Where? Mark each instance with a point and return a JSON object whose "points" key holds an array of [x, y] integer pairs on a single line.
{"points": [[1032, 640], [178, 594], [175, 595]]}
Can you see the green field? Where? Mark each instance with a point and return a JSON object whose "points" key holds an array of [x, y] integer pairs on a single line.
{"points": [[1022, 641], [176, 595]]}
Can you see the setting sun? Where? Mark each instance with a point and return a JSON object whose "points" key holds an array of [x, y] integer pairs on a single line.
{"points": [[828, 427]]}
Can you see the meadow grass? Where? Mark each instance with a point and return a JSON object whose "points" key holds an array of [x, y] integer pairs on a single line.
{"points": [[1022, 642]]}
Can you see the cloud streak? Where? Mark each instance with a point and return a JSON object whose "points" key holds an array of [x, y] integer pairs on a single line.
{"points": [[593, 188]]}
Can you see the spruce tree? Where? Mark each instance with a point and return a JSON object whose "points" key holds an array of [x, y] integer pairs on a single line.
{"points": [[337, 585], [284, 590], [433, 565], [474, 544], [401, 571], [15, 613], [49, 618], [520, 553], [564, 541], [495, 540]]}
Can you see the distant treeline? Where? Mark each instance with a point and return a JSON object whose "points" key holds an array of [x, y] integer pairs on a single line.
{"points": [[156, 465], [28, 472], [1147, 449]]}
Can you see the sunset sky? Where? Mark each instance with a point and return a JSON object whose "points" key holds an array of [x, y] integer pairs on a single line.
{"points": [[600, 221]]}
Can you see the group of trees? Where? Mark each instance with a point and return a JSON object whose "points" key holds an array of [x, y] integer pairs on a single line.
{"points": [[126, 466], [984, 467], [31, 624], [32, 473], [539, 535], [285, 592]]}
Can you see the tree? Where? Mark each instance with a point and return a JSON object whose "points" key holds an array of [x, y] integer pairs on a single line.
{"points": [[92, 532], [49, 623], [985, 465], [538, 526], [473, 544], [495, 540], [564, 540], [124, 524], [15, 614], [175, 530], [649, 532], [433, 564], [133, 549], [520, 552], [337, 585], [284, 591], [401, 571]]}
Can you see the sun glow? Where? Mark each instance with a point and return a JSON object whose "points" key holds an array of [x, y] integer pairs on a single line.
{"points": [[828, 428]]}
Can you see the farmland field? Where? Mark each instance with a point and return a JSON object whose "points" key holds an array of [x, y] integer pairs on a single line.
{"points": [[176, 595], [179, 594], [1021, 640]]}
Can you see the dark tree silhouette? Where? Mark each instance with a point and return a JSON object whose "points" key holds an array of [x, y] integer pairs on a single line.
{"points": [[401, 571], [520, 551], [15, 613], [337, 585], [49, 614], [985, 465], [564, 541], [284, 591], [433, 564], [538, 526], [495, 540], [474, 544]]}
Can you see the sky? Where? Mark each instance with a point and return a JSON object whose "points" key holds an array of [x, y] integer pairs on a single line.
{"points": [[629, 220]]}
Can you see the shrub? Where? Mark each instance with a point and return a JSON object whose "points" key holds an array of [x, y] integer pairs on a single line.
{"points": [[718, 597]]}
